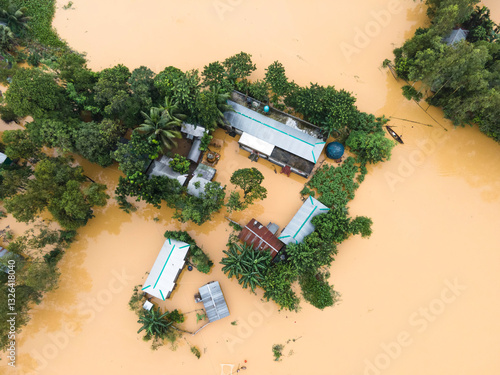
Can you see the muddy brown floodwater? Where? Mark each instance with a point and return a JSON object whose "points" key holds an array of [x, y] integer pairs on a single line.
{"points": [[419, 296]]}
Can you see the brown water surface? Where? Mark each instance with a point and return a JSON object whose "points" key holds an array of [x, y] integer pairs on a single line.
{"points": [[419, 296]]}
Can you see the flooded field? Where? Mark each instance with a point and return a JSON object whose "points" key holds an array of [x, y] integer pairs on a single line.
{"points": [[419, 296]]}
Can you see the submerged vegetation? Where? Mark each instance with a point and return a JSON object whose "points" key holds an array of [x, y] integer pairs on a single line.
{"points": [[461, 75]]}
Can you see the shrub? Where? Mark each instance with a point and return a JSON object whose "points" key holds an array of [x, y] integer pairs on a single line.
{"points": [[180, 164], [317, 291]]}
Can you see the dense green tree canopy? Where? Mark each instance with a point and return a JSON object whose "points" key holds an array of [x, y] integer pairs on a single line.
{"points": [[34, 92]]}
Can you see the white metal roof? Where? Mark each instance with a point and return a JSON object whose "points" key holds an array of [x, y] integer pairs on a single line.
{"points": [[256, 144], [274, 132], [3, 157], [195, 131], [300, 225], [168, 264]]}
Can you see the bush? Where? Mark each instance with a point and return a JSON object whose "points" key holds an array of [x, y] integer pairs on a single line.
{"points": [[317, 291], [7, 114], [180, 164]]}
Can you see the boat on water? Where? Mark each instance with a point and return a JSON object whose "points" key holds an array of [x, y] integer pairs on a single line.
{"points": [[394, 134]]}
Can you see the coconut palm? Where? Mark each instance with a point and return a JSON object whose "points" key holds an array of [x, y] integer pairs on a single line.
{"points": [[223, 106], [14, 17], [154, 323], [6, 38], [162, 126], [231, 262]]}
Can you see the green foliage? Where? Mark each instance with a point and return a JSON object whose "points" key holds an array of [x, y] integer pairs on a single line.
{"points": [[34, 92], [157, 325], [409, 92], [317, 291], [277, 283], [7, 114], [326, 107], [201, 209], [278, 351], [249, 180], [362, 225], [134, 157], [196, 255], [248, 265], [463, 78], [112, 91], [96, 141], [6, 38], [163, 124], [481, 26], [41, 13], [370, 148], [196, 351], [165, 81], [215, 77], [59, 188], [179, 164], [335, 185], [259, 89], [19, 145], [238, 68], [278, 82], [314, 252], [200, 317], [205, 141]]}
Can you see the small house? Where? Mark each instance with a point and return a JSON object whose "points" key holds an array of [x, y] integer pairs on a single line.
{"points": [[455, 36], [213, 301], [282, 143], [260, 237], [161, 167], [166, 269], [202, 175], [300, 226]]}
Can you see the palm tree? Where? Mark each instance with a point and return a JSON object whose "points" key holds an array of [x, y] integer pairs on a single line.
{"points": [[222, 106], [154, 323], [6, 38], [248, 265], [159, 125], [14, 17]]}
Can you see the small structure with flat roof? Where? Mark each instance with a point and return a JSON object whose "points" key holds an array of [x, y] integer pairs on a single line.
{"points": [[260, 237], [213, 301], [300, 225], [202, 175], [166, 269]]}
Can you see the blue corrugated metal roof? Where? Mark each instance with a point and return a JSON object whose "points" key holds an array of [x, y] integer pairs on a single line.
{"points": [[300, 225], [274, 132]]}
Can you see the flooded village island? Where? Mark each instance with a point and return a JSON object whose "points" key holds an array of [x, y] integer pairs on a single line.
{"points": [[215, 215]]}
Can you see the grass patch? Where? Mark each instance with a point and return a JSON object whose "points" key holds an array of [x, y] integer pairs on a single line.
{"points": [[42, 13]]}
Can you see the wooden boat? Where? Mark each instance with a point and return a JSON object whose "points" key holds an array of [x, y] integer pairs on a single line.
{"points": [[394, 134]]}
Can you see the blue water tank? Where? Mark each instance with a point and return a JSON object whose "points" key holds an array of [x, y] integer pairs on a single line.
{"points": [[266, 108], [334, 150]]}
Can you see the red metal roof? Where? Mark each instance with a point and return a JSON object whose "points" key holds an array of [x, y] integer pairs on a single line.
{"points": [[260, 238]]}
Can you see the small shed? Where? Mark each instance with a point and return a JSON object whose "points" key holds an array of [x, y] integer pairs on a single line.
{"points": [[260, 237], [205, 171], [195, 152], [196, 186], [166, 269], [300, 225], [456, 36], [213, 301]]}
